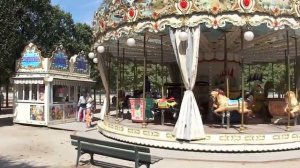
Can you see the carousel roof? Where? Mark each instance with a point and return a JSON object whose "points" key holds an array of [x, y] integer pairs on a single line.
{"points": [[269, 20]]}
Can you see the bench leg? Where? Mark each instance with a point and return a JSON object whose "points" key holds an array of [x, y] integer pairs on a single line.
{"points": [[78, 156], [137, 158], [148, 165], [92, 158]]}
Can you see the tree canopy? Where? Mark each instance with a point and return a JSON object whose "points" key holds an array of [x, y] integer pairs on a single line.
{"points": [[37, 21]]}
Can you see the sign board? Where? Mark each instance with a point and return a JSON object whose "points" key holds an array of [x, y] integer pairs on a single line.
{"points": [[137, 109], [31, 58], [59, 60], [81, 64]]}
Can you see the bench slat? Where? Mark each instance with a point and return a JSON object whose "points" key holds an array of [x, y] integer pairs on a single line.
{"points": [[117, 153], [112, 144], [108, 151]]}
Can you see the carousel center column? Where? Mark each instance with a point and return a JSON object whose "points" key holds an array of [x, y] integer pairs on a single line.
{"points": [[47, 79]]}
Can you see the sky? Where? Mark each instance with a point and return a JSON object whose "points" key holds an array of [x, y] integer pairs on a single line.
{"points": [[82, 10]]}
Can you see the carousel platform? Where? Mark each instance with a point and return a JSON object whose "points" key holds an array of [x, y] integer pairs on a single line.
{"points": [[255, 138]]}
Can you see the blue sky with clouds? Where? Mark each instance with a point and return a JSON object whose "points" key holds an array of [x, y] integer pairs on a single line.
{"points": [[82, 10]]}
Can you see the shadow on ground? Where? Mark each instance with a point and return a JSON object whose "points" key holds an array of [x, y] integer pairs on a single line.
{"points": [[10, 163], [87, 164], [7, 121]]}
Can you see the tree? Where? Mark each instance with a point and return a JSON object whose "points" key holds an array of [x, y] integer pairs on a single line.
{"points": [[37, 21]]}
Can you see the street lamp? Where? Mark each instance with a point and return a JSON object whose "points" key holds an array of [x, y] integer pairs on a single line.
{"points": [[248, 35], [131, 42], [91, 55], [95, 60], [183, 36], [100, 49]]}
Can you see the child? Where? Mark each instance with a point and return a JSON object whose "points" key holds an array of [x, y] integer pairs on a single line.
{"points": [[89, 106], [88, 116]]}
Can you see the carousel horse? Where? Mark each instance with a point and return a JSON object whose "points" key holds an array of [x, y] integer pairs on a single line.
{"points": [[221, 103], [292, 104]]}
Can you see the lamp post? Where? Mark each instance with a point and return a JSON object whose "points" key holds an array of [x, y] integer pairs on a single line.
{"points": [[248, 36], [94, 58]]}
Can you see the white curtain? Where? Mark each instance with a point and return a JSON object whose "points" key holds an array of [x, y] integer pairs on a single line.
{"points": [[189, 124], [102, 70]]}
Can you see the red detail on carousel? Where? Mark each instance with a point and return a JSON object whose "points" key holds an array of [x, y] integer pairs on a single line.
{"points": [[155, 15], [246, 2], [215, 22], [131, 12], [214, 9], [155, 26], [183, 4]]}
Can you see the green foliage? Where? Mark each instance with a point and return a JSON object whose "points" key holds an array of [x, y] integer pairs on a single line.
{"points": [[279, 74], [37, 21], [130, 80]]}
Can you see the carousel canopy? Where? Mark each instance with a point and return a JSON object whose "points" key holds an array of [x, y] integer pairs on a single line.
{"points": [[123, 19]]}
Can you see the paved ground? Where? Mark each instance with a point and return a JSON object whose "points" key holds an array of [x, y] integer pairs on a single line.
{"points": [[30, 146]]}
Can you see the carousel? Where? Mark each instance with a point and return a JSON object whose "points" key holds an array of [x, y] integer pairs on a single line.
{"points": [[208, 43], [46, 90]]}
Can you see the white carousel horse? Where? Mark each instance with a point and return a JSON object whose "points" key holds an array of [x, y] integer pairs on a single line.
{"points": [[292, 104], [221, 103]]}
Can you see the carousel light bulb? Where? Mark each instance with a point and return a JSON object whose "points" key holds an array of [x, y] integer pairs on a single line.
{"points": [[183, 36], [95, 60], [100, 49], [248, 35], [91, 55], [131, 42]]}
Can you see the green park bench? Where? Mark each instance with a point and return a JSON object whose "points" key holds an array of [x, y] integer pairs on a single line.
{"points": [[140, 155]]}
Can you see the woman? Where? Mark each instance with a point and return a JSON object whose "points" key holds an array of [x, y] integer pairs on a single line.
{"points": [[81, 108]]}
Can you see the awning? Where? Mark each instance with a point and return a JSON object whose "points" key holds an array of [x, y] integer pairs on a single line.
{"points": [[28, 81]]}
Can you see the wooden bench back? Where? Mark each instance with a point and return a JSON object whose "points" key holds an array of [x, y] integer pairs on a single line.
{"points": [[276, 107], [111, 144], [134, 153]]}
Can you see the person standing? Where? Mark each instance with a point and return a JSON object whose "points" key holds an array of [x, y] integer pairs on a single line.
{"points": [[81, 108]]}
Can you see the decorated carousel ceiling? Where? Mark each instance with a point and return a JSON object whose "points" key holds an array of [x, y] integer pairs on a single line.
{"points": [[150, 20]]}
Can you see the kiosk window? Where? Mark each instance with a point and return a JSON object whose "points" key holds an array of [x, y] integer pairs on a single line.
{"points": [[34, 92], [20, 92], [26, 92], [60, 93], [41, 92], [30, 92]]}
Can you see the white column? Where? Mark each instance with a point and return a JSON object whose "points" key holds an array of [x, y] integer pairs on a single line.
{"points": [[210, 87], [47, 99]]}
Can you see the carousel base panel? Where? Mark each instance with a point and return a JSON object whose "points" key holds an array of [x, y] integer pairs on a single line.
{"points": [[41, 123], [44, 123], [255, 138]]}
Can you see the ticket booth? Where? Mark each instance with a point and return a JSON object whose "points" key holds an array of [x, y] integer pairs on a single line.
{"points": [[46, 90]]}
